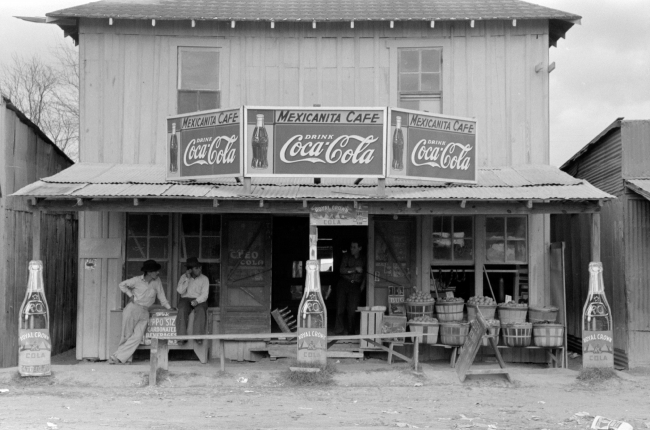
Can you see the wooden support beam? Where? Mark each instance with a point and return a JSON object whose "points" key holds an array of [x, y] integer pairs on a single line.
{"points": [[153, 22], [80, 202], [392, 24], [539, 67], [136, 202], [529, 204], [247, 185], [232, 24], [193, 23], [356, 204], [351, 24], [408, 204], [261, 203], [33, 201], [595, 237], [110, 21], [215, 203], [463, 203], [381, 187], [433, 24], [272, 24], [551, 67], [304, 203]]}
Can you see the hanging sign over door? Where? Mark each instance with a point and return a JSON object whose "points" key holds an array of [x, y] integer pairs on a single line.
{"points": [[431, 147], [338, 214], [203, 145], [315, 142]]}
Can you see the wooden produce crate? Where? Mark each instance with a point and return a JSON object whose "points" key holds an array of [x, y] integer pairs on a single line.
{"points": [[370, 324]]}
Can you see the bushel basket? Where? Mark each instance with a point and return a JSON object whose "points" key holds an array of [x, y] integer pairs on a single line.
{"points": [[488, 311], [509, 314], [450, 311], [419, 309], [494, 329], [517, 334], [548, 335], [454, 333]]}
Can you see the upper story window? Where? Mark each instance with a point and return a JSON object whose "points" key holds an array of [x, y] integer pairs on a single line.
{"points": [[198, 79], [420, 79]]}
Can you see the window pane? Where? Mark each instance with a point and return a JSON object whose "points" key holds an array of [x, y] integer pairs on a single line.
{"points": [[430, 60], [137, 225], [213, 296], [211, 225], [442, 239], [136, 247], [199, 70], [430, 105], [191, 246], [210, 247], [463, 249], [463, 226], [191, 224], [188, 101], [409, 61], [516, 228], [213, 272], [208, 100], [409, 104], [494, 227], [431, 82], [159, 225], [163, 278], [133, 269], [158, 248], [409, 82]]}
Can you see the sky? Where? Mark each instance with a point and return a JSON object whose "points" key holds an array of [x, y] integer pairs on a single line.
{"points": [[602, 67]]}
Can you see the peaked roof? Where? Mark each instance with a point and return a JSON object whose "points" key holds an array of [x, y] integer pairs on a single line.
{"points": [[318, 10]]}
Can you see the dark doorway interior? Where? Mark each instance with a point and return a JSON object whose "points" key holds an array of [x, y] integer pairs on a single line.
{"points": [[290, 252]]}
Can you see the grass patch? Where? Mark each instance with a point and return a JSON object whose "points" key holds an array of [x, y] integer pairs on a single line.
{"points": [[596, 375], [32, 381], [309, 379]]}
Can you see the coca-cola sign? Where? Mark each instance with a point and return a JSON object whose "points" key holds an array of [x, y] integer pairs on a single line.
{"points": [[315, 142], [205, 145], [431, 147]]}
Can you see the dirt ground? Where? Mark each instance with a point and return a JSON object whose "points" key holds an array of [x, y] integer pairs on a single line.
{"points": [[366, 393]]}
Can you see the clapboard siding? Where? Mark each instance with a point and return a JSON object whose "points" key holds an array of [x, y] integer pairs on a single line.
{"points": [[129, 77]]}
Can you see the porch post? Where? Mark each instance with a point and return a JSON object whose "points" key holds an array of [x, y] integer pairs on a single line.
{"points": [[595, 237]]}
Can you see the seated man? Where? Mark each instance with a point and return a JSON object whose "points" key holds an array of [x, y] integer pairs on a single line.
{"points": [[193, 288]]}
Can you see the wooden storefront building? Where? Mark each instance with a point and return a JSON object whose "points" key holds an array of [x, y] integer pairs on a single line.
{"points": [[144, 62], [27, 154], [615, 161]]}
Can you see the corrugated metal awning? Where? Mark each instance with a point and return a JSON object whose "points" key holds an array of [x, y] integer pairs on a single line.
{"points": [[103, 180], [639, 186]]}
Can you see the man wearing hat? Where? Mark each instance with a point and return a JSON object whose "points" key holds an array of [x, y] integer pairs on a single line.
{"points": [[142, 292], [193, 288]]}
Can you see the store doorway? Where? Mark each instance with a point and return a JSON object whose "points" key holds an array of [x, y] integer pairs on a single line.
{"points": [[290, 253]]}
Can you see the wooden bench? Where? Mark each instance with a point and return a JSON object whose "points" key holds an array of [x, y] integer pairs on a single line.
{"points": [[160, 346]]}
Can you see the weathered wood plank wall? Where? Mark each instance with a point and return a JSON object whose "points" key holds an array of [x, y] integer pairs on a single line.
{"points": [[24, 158], [129, 73]]}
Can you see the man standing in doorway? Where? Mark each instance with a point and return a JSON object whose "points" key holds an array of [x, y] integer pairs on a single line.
{"points": [[193, 288], [351, 283]]}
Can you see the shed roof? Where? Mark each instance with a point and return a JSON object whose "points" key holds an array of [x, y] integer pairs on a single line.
{"points": [[639, 186], [321, 10], [104, 180]]}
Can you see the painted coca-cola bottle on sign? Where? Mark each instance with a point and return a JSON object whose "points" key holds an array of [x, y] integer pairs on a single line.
{"points": [[398, 145], [597, 330], [312, 320], [173, 151], [34, 344], [260, 144]]}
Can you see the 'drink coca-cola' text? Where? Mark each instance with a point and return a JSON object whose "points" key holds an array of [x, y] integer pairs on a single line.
{"points": [[343, 149], [442, 155], [221, 150]]}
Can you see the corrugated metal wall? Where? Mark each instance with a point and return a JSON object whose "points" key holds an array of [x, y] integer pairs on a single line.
{"points": [[637, 274], [601, 165], [636, 149]]}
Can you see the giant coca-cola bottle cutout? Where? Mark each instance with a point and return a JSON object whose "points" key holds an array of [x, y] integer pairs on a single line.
{"points": [[34, 344], [312, 320], [173, 150], [260, 144], [597, 330], [398, 145]]}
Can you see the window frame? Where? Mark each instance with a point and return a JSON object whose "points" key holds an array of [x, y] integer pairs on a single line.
{"points": [[453, 260], [173, 81], [395, 45], [419, 95]]}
